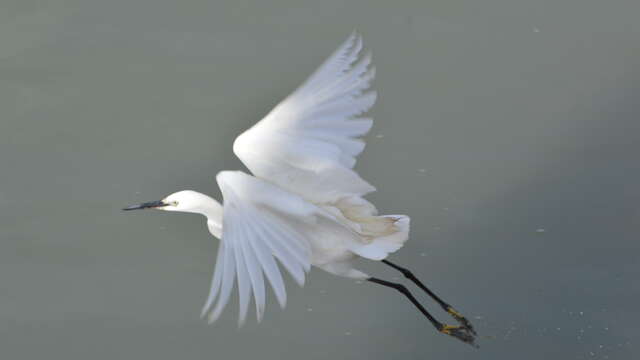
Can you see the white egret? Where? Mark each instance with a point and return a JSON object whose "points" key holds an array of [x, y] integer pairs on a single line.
{"points": [[304, 203]]}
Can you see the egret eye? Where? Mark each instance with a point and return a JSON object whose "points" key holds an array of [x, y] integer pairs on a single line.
{"points": [[174, 203]]}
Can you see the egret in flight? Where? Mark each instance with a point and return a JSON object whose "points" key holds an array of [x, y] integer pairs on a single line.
{"points": [[303, 204]]}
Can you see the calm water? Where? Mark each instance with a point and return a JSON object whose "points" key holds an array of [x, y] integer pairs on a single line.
{"points": [[508, 130]]}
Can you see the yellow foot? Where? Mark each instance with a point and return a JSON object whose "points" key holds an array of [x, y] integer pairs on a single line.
{"points": [[459, 332], [461, 320]]}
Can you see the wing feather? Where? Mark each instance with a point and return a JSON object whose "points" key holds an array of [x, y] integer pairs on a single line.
{"points": [[282, 248], [228, 278], [308, 143], [244, 285], [255, 276], [261, 223], [271, 270], [216, 281]]}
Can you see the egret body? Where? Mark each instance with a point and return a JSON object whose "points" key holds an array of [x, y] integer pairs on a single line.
{"points": [[304, 204]]}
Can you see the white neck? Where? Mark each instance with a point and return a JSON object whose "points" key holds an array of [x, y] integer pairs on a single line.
{"points": [[214, 224], [212, 209]]}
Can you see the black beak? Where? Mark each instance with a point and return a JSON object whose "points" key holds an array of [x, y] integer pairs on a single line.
{"points": [[147, 205]]}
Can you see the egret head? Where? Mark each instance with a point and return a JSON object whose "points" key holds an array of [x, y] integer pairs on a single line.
{"points": [[185, 201]]}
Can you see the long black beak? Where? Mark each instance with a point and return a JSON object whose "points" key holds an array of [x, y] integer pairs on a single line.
{"points": [[147, 205]]}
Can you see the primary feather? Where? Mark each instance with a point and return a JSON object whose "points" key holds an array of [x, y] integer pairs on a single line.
{"points": [[261, 222], [308, 143]]}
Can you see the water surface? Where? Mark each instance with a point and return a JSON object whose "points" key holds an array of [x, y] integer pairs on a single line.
{"points": [[507, 130]]}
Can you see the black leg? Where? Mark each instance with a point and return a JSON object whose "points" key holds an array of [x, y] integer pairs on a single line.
{"points": [[448, 308], [459, 332]]}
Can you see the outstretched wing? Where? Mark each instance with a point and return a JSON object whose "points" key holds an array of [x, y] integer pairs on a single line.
{"points": [[309, 142], [261, 223]]}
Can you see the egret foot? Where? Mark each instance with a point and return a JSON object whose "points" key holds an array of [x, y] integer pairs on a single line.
{"points": [[466, 324], [459, 332], [461, 320]]}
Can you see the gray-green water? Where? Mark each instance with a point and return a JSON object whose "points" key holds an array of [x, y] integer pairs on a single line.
{"points": [[508, 130]]}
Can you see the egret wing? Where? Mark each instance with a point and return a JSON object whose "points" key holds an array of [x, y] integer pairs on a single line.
{"points": [[309, 142], [261, 223]]}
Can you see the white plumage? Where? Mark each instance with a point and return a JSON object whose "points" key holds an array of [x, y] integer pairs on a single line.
{"points": [[308, 143], [303, 205]]}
